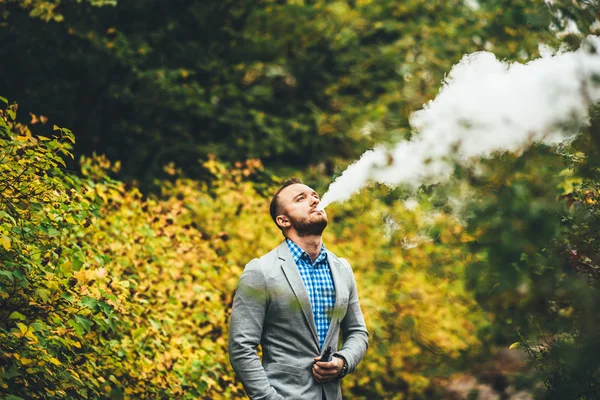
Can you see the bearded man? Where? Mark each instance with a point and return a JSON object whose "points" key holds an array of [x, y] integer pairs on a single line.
{"points": [[294, 302]]}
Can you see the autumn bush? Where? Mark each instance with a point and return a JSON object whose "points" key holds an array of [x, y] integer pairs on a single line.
{"points": [[106, 293], [110, 293]]}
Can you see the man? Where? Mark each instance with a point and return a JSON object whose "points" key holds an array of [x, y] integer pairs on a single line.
{"points": [[294, 301]]}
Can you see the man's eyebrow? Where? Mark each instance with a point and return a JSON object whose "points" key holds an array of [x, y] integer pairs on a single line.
{"points": [[304, 192]]}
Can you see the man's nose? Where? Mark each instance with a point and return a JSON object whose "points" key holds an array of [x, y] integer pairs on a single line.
{"points": [[314, 202]]}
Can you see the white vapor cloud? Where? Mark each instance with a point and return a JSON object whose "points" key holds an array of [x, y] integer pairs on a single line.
{"points": [[484, 106]]}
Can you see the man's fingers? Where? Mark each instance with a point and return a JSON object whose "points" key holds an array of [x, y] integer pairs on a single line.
{"points": [[326, 372], [317, 376], [321, 378], [327, 364]]}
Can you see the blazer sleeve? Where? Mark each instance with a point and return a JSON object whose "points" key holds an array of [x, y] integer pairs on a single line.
{"points": [[354, 330], [245, 330]]}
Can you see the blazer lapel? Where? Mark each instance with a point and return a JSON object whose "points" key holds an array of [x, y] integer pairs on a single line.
{"points": [[290, 270]]}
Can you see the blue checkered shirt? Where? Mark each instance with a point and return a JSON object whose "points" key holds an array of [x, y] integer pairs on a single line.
{"points": [[319, 284]]}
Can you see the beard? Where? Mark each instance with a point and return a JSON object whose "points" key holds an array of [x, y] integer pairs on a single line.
{"points": [[314, 225]]}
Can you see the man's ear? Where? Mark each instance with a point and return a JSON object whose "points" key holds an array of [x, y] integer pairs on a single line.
{"points": [[282, 221]]}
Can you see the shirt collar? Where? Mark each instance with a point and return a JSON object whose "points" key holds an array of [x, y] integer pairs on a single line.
{"points": [[298, 253]]}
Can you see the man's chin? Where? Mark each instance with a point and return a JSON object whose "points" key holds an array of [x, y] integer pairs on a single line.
{"points": [[315, 228]]}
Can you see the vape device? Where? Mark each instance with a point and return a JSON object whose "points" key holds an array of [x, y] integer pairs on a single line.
{"points": [[327, 355]]}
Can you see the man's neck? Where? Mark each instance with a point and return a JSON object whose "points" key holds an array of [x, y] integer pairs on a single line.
{"points": [[310, 244]]}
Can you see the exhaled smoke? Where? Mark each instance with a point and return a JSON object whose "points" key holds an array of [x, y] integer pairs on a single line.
{"points": [[484, 106]]}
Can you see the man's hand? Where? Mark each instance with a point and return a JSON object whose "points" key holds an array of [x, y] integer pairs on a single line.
{"points": [[325, 371]]}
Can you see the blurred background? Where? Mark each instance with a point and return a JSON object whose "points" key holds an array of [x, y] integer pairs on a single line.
{"points": [[142, 140]]}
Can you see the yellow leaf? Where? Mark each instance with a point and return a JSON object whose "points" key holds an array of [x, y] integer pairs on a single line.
{"points": [[43, 138], [26, 361], [77, 344], [6, 242], [22, 327], [54, 360], [56, 128], [514, 345]]}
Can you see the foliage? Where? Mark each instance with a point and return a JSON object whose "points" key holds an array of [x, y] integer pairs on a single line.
{"points": [[48, 10], [103, 294], [106, 292], [535, 221], [44, 316], [409, 265], [294, 83]]}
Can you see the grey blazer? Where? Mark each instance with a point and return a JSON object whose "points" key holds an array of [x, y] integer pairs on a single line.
{"points": [[271, 308]]}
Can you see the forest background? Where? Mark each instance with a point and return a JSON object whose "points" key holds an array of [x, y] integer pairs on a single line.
{"points": [[140, 143]]}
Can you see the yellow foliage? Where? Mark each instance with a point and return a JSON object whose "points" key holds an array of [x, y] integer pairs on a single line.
{"points": [[134, 293]]}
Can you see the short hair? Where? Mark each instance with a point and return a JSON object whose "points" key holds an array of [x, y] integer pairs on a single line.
{"points": [[274, 207]]}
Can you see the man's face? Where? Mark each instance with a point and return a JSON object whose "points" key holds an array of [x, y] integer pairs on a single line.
{"points": [[298, 204]]}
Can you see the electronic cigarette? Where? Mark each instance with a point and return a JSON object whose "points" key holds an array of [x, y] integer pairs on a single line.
{"points": [[327, 355]]}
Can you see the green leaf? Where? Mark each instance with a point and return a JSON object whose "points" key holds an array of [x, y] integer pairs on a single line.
{"points": [[90, 302], [13, 397], [4, 100], [43, 294], [83, 322], [110, 323], [38, 327], [106, 309], [36, 206], [78, 329], [138, 333], [12, 372], [77, 263], [19, 274], [17, 315], [67, 296], [8, 274], [4, 214]]}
